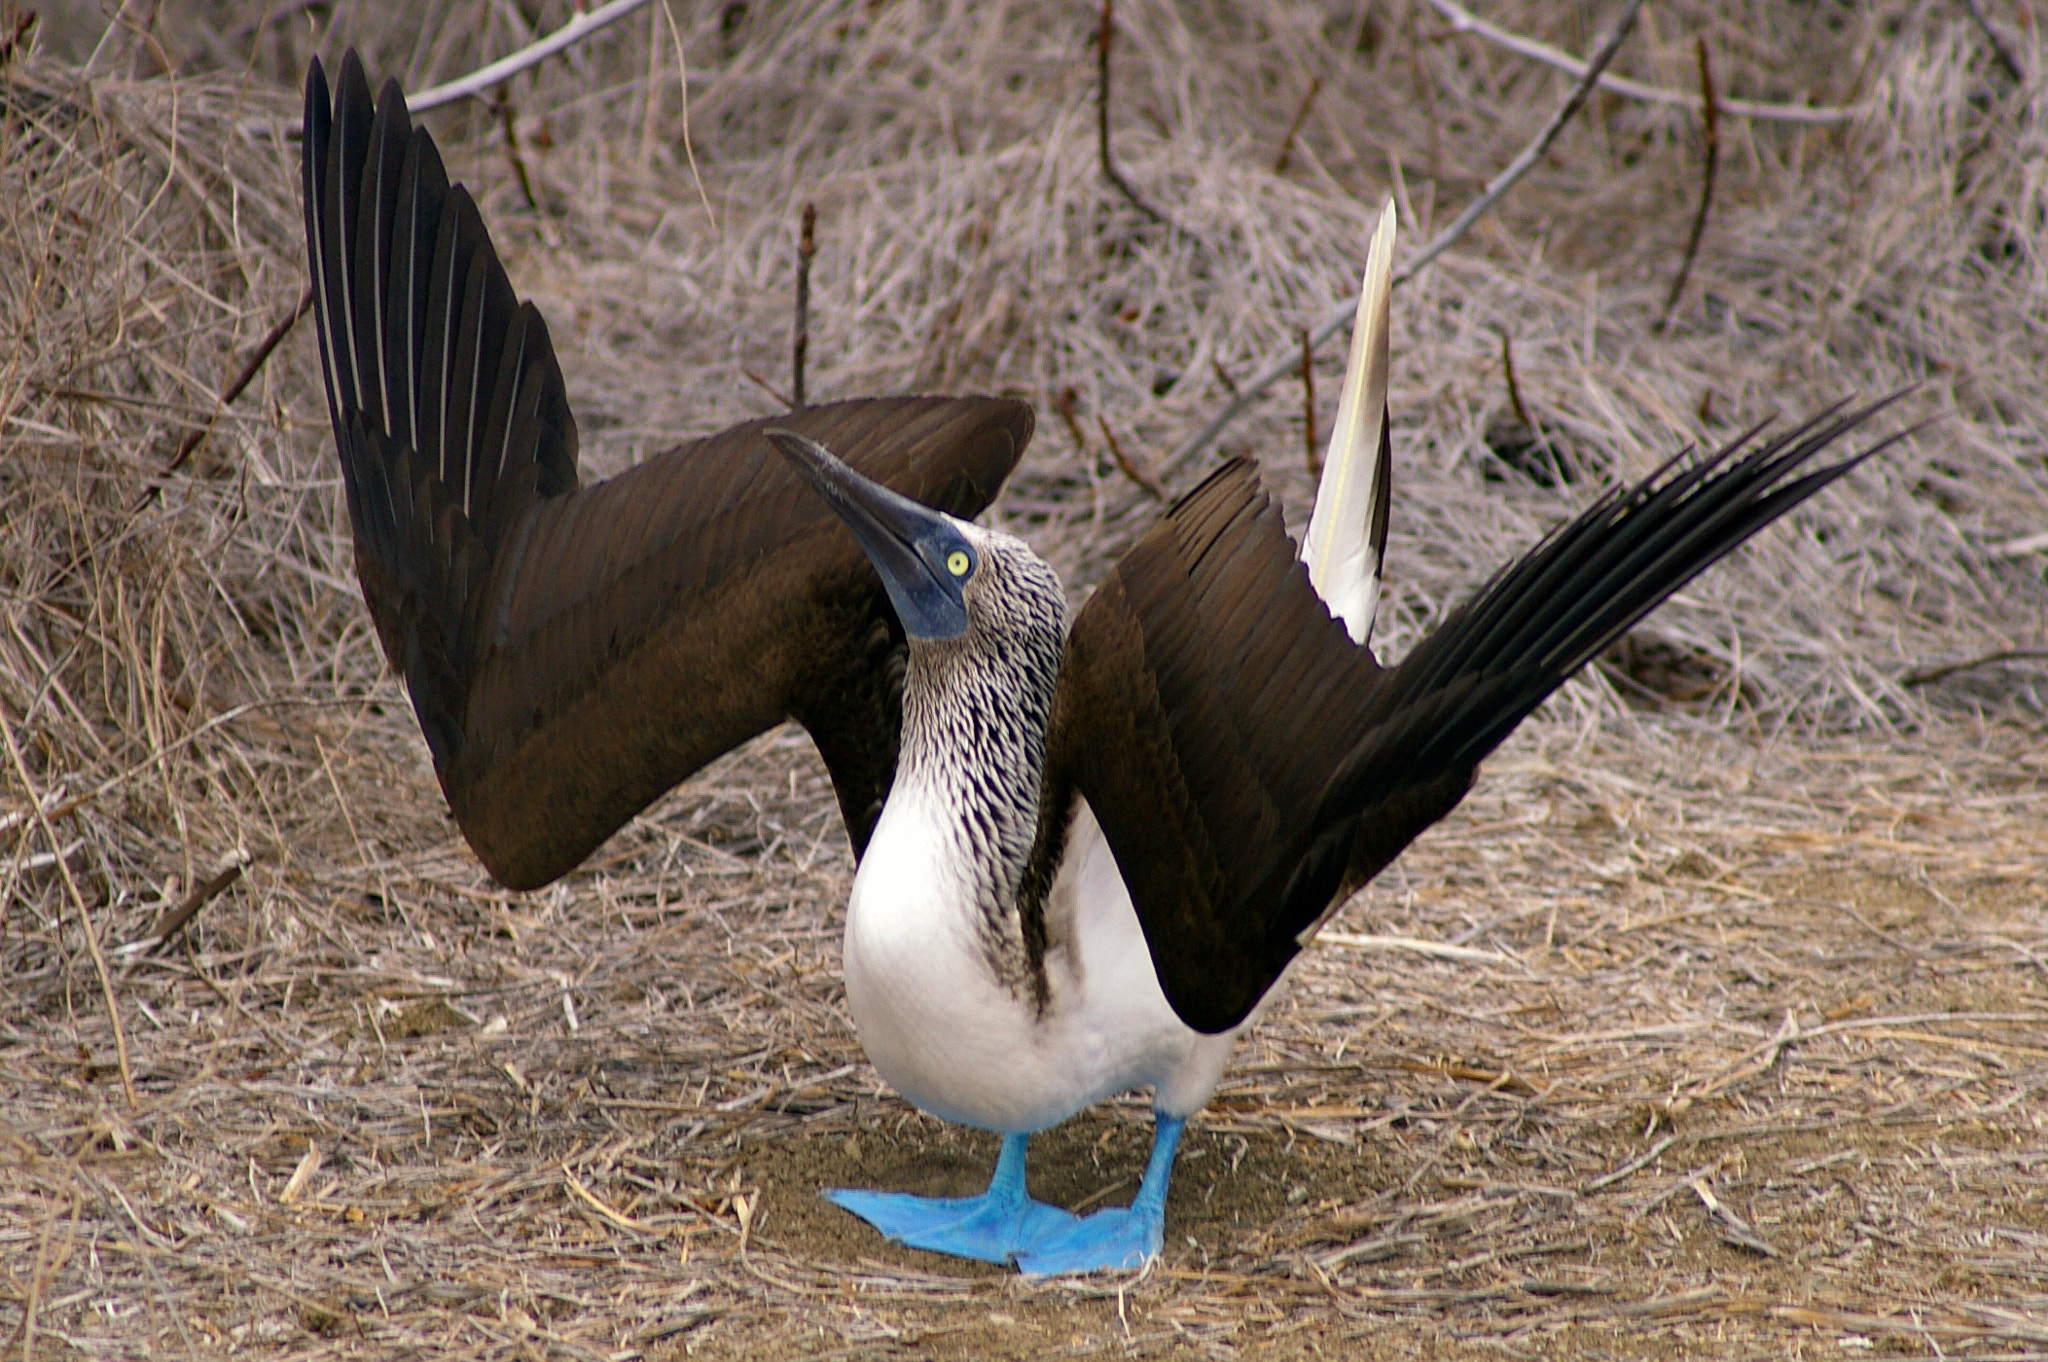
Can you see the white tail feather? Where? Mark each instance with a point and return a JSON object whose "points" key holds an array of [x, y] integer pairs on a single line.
{"points": [[1342, 548]]}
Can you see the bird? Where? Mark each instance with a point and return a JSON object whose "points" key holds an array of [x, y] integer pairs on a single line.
{"points": [[1089, 843]]}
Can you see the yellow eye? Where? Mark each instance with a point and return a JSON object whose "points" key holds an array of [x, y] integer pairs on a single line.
{"points": [[957, 562]]}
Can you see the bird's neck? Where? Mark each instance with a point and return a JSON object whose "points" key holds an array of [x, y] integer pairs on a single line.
{"points": [[975, 712]]}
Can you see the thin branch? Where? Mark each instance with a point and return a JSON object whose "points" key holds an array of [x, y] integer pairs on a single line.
{"points": [[507, 121], [2026, 544], [806, 247], [675, 35], [578, 28], [1103, 36], [1341, 316], [1865, 923], [201, 895], [1315, 87], [765, 386], [1223, 376], [1125, 466], [1064, 405], [150, 50], [1308, 406], [1642, 1160], [1711, 128], [1507, 368], [235, 388], [1732, 1227], [1464, 21], [1436, 950], [1921, 676], [1998, 47]]}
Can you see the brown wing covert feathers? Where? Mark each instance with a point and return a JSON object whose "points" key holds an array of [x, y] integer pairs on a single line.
{"points": [[572, 653]]}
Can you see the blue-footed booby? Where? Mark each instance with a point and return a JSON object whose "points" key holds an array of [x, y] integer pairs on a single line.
{"points": [[1088, 848]]}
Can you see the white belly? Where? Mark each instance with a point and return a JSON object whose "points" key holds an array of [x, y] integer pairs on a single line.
{"points": [[954, 1040]]}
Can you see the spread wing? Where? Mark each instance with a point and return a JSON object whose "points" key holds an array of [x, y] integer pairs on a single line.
{"points": [[1205, 700], [572, 652], [1249, 765]]}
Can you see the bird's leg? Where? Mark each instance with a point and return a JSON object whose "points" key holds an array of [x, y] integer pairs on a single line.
{"points": [[995, 1227], [1123, 1237]]}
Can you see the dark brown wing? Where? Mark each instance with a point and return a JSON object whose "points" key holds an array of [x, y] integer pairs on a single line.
{"points": [[1205, 701], [572, 654], [658, 620], [1248, 765]]}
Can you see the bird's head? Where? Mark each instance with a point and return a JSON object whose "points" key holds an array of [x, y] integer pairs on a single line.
{"points": [[947, 578]]}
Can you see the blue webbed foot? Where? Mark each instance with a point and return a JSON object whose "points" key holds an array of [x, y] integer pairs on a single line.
{"points": [[985, 1227], [1004, 1225], [993, 1227], [1119, 1238]]}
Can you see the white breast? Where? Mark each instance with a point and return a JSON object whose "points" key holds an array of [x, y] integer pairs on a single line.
{"points": [[947, 1034]]}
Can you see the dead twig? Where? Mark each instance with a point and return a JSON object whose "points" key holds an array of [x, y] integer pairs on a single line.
{"points": [[1710, 131], [1464, 21], [1104, 34], [579, 27], [1125, 466], [201, 894], [249, 28], [1308, 405], [1315, 87], [1223, 376], [1866, 924], [1425, 88], [800, 345], [309, 1164], [1064, 405], [1341, 316], [1732, 1228], [1758, 1060], [512, 151], [2025, 544], [21, 1342], [765, 386], [1921, 676], [1507, 368], [236, 386], [590, 1198], [1438, 950], [1506, 1079], [1634, 1165]]}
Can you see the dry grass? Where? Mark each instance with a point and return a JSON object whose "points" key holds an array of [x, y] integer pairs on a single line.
{"points": [[1747, 902]]}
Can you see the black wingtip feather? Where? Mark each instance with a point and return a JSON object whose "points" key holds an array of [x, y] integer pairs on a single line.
{"points": [[1555, 608], [448, 405]]}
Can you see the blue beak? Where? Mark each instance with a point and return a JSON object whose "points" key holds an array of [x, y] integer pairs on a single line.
{"points": [[909, 544]]}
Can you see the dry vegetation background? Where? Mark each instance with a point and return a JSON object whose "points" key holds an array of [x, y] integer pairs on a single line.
{"points": [[1751, 919]]}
